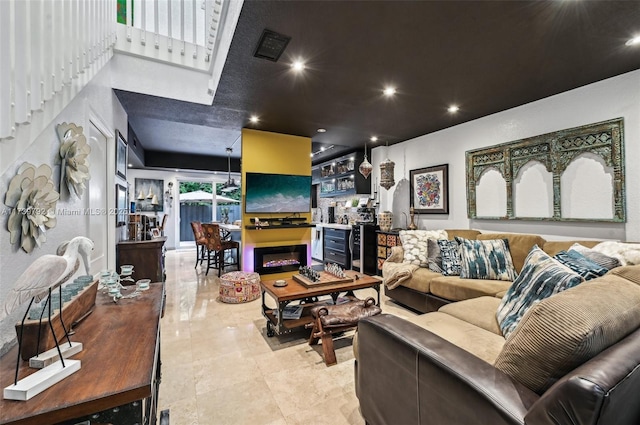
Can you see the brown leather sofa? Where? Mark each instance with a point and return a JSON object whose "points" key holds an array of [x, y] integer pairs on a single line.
{"points": [[584, 343], [427, 291]]}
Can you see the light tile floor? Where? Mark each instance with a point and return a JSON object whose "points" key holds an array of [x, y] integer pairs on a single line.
{"points": [[219, 367]]}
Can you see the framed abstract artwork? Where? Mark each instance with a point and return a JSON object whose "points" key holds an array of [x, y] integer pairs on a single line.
{"points": [[121, 205], [430, 190], [121, 155]]}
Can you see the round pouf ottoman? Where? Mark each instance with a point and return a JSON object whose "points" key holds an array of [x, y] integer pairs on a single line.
{"points": [[239, 287]]}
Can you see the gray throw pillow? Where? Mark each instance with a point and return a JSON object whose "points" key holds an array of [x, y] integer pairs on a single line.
{"points": [[450, 257], [434, 258]]}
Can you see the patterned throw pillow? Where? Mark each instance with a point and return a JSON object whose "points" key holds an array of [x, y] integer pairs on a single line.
{"points": [[486, 259], [597, 257], [450, 257], [434, 258], [541, 277], [580, 264], [414, 243]]}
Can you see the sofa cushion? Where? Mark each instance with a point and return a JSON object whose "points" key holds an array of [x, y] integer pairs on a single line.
{"points": [[455, 288], [434, 258], [414, 243], [562, 332], [627, 253], [463, 233], [580, 264], [479, 342], [421, 280], [541, 277], [553, 247], [479, 311], [597, 257], [519, 245], [450, 257], [485, 259]]}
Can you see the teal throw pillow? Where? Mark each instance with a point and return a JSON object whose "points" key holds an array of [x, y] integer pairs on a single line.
{"points": [[541, 277], [450, 257], [486, 259], [580, 264]]}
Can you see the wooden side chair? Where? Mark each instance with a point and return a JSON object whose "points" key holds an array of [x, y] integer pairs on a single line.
{"points": [[201, 241], [216, 249]]}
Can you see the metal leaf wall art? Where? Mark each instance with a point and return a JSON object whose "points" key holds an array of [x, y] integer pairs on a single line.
{"points": [[74, 150], [32, 198]]}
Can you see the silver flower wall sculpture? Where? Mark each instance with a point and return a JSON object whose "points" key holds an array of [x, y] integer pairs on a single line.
{"points": [[33, 199], [74, 150]]}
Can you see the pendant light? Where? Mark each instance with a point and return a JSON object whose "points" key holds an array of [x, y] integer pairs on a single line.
{"points": [[386, 172], [365, 168], [230, 185]]}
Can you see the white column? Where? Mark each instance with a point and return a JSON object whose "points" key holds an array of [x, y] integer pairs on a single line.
{"points": [[35, 30], [22, 52], [47, 50], [6, 120]]}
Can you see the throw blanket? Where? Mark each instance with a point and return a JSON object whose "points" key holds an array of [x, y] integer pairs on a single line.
{"points": [[396, 273]]}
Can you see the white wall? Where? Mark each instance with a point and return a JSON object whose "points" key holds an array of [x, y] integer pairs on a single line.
{"points": [[612, 98], [96, 101]]}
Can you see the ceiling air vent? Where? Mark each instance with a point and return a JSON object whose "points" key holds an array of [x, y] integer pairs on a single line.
{"points": [[271, 45]]}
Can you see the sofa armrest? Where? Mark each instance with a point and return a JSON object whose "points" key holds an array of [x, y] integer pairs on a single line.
{"points": [[408, 375]]}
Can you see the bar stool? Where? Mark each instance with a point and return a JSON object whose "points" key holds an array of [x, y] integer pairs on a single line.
{"points": [[216, 248], [201, 241]]}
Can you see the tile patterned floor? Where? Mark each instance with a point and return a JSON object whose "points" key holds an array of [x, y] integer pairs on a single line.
{"points": [[219, 367]]}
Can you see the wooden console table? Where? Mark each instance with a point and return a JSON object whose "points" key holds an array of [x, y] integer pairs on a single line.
{"points": [[120, 375], [147, 258]]}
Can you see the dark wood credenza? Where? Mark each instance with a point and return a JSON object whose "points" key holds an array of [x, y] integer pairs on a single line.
{"points": [[147, 258], [119, 378]]}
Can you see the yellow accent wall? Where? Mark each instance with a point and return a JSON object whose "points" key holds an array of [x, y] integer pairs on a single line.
{"points": [[266, 152]]}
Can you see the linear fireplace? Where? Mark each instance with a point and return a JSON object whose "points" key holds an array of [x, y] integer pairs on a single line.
{"points": [[277, 259]]}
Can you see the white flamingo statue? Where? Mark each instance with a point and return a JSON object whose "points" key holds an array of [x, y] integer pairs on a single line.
{"points": [[48, 272], [41, 277]]}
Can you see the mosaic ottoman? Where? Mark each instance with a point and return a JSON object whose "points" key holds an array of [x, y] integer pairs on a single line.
{"points": [[239, 287]]}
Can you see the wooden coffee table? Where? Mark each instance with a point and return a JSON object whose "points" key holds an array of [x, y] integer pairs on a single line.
{"points": [[308, 297]]}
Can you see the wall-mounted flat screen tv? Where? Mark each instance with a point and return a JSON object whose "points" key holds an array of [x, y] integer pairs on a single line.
{"points": [[277, 193]]}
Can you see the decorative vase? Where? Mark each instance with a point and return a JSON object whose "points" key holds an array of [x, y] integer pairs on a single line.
{"points": [[385, 218]]}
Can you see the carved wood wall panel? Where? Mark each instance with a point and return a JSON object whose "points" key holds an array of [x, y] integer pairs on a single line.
{"points": [[555, 151]]}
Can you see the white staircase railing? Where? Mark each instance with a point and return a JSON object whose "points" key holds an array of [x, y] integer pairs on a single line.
{"points": [[46, 48], [181, 32]]}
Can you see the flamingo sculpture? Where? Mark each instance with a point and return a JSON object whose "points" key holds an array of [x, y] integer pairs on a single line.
{"points": [[48, 272], [42, 276]]}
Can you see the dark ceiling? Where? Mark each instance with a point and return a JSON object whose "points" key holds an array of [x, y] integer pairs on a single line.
{"points": [[484, 56]]}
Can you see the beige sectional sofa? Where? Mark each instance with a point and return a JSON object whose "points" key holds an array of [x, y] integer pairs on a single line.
{"points": [[573, 359], [426, 291]]}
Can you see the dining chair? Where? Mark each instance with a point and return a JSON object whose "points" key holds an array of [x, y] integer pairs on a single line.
{"points": [[216, 248]]}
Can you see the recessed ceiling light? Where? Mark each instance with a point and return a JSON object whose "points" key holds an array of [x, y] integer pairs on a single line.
{"points": [[254, 119], [322, 149], [322, 130], [311, 154], [298, 66], [453, 109], [633, 41], [389, 91], [373, 139], [130, 165]]}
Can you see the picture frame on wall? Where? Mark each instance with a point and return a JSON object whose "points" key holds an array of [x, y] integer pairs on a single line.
{"points": [[429, 189], [121, 155], [122, 211]]}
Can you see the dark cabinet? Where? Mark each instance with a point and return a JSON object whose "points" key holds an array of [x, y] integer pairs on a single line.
{"points": [[341, 177], [336, 247], [386, 241], [147, 258]]}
